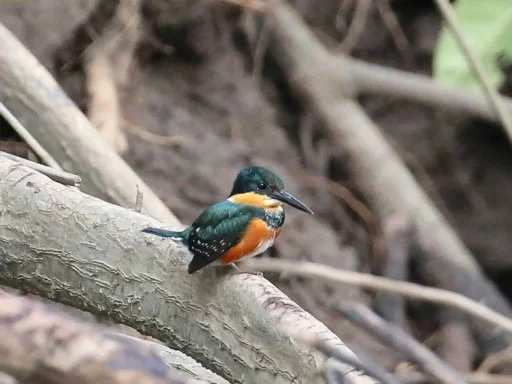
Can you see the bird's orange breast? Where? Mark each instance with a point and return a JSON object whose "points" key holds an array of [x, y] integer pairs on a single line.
{"points": [[255, 237]]}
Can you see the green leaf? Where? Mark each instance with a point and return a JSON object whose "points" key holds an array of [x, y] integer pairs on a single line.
{"points": [[487, 25]]}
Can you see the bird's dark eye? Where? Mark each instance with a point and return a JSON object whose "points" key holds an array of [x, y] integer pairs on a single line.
{"points": [[262, 186]]}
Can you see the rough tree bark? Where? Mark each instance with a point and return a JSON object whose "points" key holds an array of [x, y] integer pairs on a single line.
{"points": [[377, 169], [38, 344], [73, 248], [32, 95]]}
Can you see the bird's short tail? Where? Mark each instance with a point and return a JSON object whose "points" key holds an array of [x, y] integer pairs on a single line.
{"points": [[174, 235]]}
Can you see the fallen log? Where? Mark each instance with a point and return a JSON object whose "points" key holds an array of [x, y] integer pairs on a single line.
{"points": [[72, 248]]}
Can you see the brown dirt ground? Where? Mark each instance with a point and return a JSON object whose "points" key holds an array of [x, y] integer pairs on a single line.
{"points": [[230, 117]]}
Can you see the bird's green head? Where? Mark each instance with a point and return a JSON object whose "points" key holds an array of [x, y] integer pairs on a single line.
{"points": [[264, 182]]}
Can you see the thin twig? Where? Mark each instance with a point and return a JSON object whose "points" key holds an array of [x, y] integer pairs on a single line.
{"points": [[260, 49], [28, 138], [359, 208], [329, 350], [495, 360], [356, 27], [492, 94], [138, 200], [57, 175], [411, 290], [394, 337], [397, 33]]}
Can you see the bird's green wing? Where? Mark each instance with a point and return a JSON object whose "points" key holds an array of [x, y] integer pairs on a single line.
{"points": [[217, 230]]}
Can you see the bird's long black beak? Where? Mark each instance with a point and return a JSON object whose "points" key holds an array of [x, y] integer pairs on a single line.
{"points": [[287, 198]]}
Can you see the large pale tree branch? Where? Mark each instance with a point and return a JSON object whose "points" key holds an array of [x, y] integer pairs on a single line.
{"points": [[35, 98], [73, 248]]}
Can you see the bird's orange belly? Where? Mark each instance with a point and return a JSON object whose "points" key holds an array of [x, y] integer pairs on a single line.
{"points": [[256, 240]]}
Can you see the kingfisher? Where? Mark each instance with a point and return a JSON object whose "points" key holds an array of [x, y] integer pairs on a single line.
{"points": [[244, 225]]}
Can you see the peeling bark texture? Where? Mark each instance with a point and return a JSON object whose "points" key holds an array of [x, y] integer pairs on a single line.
{"points": [[38, 344], [377, 169], [73, 248], [35, 98]]}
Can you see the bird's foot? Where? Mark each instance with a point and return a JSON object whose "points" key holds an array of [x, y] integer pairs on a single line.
{"points": [[238, 271]]}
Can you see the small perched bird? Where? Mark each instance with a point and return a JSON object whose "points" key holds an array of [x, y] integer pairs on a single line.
{"points": [[242, 226]]}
